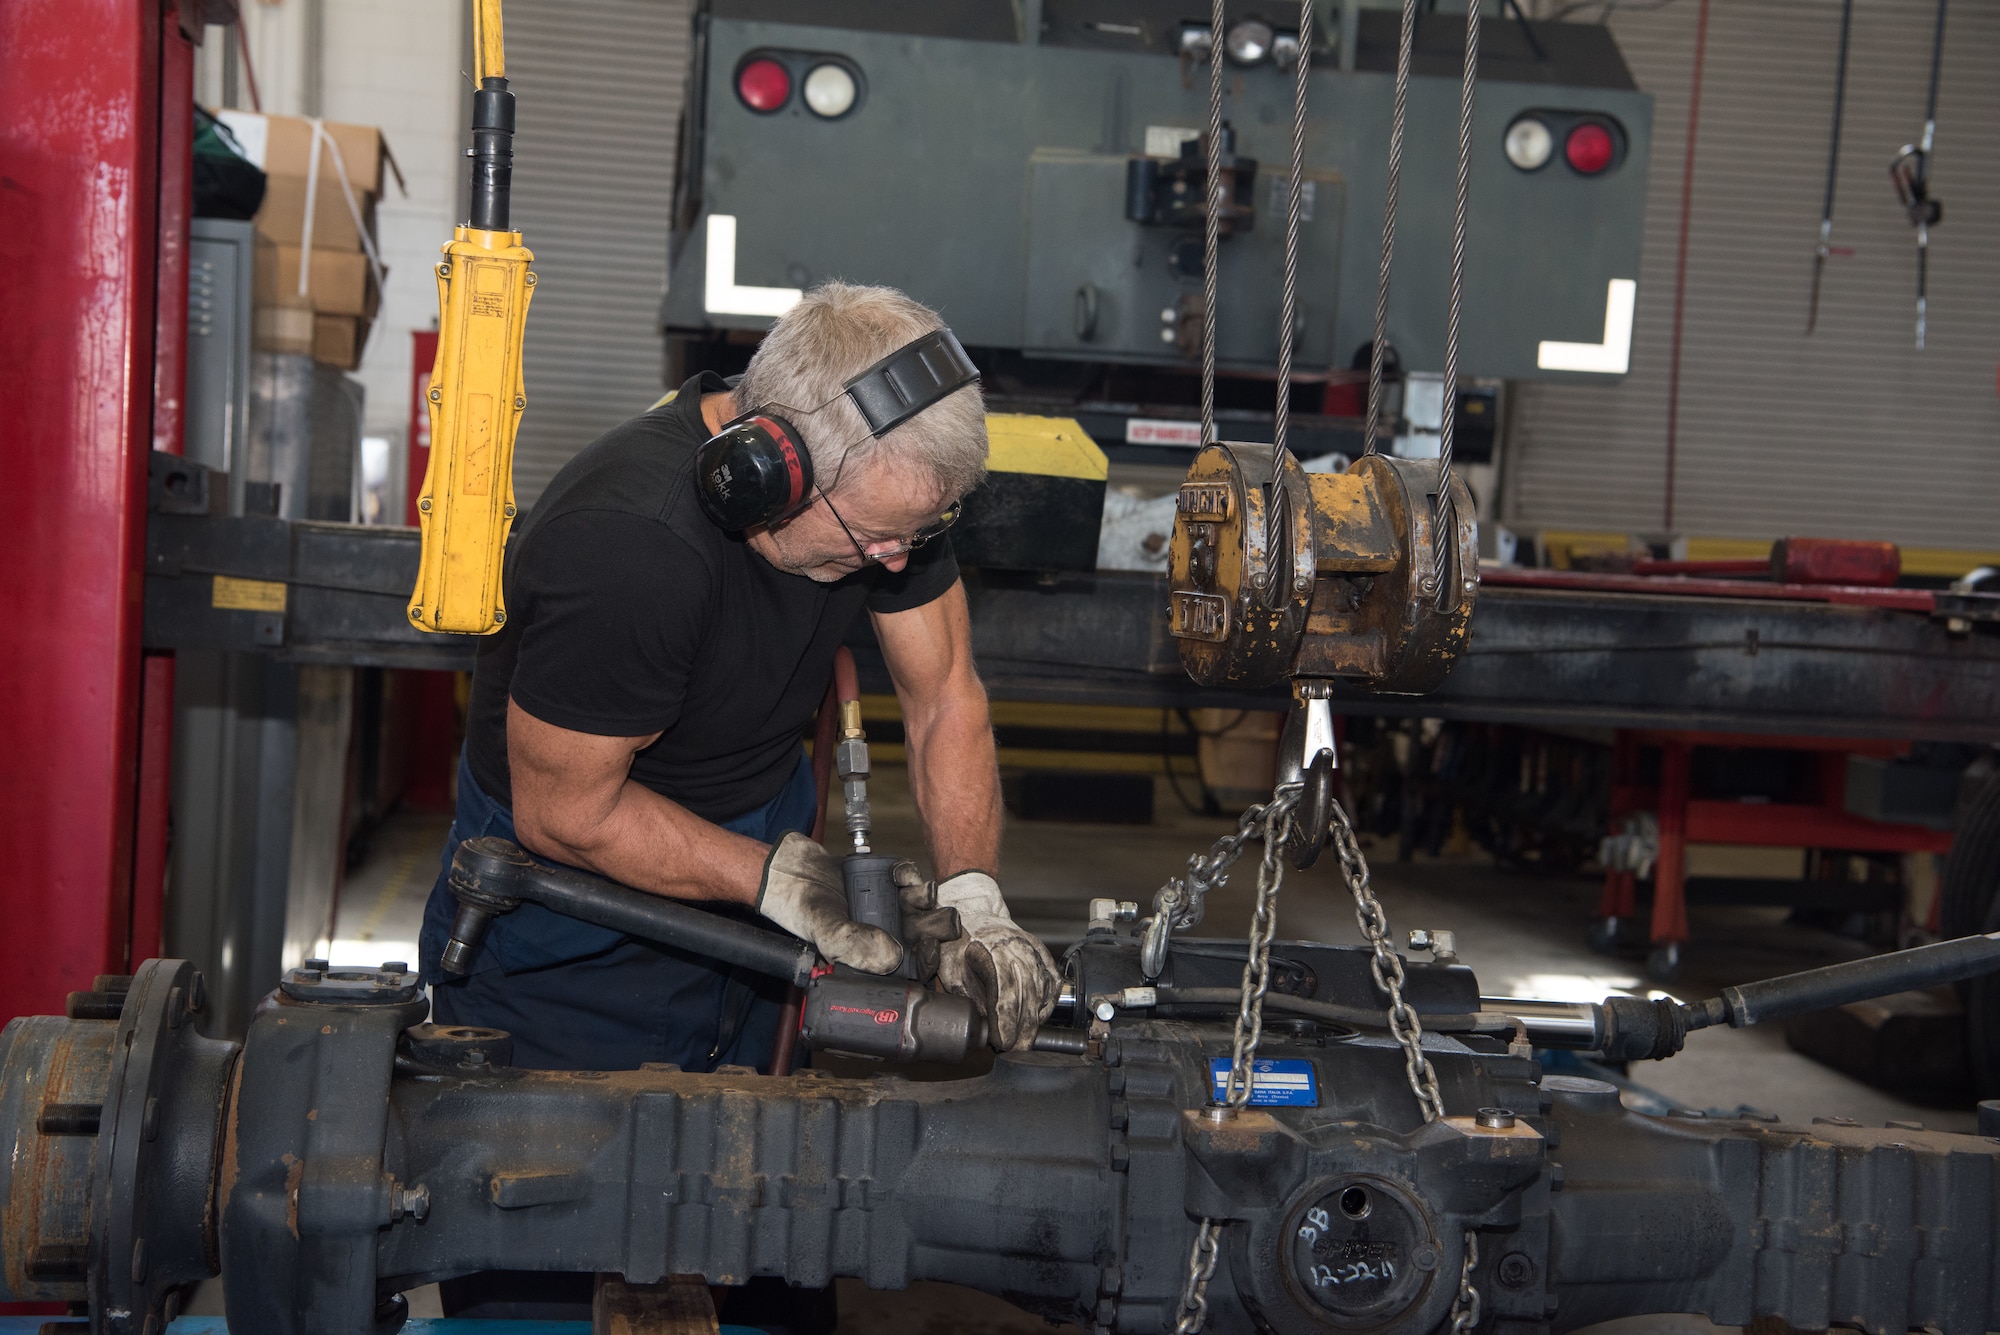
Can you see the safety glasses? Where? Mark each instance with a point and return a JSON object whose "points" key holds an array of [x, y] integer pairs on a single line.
{"points": [[902, 546]]}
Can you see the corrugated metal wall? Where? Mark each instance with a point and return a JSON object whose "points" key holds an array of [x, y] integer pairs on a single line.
{"points": [[1851, 432], [600, 83]]}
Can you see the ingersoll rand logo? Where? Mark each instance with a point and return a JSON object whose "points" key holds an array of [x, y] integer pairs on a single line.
{"points": [[887, 1015]]}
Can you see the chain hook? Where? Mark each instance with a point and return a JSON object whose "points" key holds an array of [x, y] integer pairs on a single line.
{"points": [[1318, 759]]}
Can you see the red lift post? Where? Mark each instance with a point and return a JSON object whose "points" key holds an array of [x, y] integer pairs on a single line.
{"points": [[93, 230]]}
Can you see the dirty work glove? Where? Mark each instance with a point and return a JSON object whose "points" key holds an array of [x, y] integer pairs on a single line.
{"points": [[1004, 971], [926, 926], [804, 894]]}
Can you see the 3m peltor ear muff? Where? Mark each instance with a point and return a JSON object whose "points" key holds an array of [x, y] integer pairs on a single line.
{"points": [[754, 470], [757, 470]]}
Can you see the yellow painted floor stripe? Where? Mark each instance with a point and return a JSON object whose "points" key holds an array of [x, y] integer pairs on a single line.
{"points": [[400, 879], [1043, 714], [1092, 762], [1564, 546]]}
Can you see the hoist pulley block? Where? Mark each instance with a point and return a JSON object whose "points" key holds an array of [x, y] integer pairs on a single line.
{"points": [[1317, 575]]}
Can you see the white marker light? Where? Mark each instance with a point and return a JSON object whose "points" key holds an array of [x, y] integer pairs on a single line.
{"points": [[1529, 144], [830, 91], [1611, 357], [1249, 42], [720, 294]]}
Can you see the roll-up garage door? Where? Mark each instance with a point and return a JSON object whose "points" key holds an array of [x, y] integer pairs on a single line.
{"points": [[1852, 432], [600, 83]]}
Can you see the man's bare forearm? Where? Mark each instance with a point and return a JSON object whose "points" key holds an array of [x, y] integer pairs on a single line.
{"points": [[955, 778], [654, 844]]}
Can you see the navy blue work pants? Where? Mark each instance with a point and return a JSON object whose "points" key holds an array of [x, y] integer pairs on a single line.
{"points": [[579, 997]]}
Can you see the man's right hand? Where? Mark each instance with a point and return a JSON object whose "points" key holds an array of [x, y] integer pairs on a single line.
{"points": [[803, 893]]}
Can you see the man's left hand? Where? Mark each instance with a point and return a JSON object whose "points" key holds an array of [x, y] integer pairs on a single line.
{"points": [[1001, 968]]}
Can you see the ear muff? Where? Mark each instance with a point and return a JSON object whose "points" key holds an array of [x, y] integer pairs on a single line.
{"points": [[753, 471]]}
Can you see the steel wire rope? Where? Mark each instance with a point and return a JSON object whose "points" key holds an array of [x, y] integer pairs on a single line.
{"points": [[1211, 224], [1376, 348], [1442, 528], [1288, 292]]}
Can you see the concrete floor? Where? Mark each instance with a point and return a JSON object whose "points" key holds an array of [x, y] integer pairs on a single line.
{"points": [[382, 901], [1522, 933]]}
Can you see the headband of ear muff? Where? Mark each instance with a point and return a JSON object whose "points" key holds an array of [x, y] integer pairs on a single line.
{"points": [[928, 368], [754, 471]]}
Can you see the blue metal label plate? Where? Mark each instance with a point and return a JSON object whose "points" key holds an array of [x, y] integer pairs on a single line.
{"points": [[1275, 1083]]}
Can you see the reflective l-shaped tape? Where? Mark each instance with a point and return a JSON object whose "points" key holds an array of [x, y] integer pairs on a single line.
{"points": [[722, 296], [1611, 357]]}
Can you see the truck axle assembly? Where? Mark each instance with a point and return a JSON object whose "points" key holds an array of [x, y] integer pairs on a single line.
{"points": [[346, 1152]]}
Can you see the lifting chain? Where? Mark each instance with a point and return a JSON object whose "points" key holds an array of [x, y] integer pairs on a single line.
{"points": [[1387, 966], [1272, 822], [1257, 962], [1465, 1308], [1179, 903]]}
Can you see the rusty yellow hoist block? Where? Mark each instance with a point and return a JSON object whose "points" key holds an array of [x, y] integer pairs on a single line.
{"points": [[1318, 577]]}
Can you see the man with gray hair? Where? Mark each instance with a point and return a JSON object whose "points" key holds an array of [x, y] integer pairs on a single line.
{"points": [[640, 713]]}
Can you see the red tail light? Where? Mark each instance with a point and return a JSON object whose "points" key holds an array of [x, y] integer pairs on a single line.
{"points": [[1590, 148], [764, 85]]}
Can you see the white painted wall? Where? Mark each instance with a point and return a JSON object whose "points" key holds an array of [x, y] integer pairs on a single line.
{"points": [[393, 64]]}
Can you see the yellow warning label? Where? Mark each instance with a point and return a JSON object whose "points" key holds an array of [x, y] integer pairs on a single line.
{"points": [[247, 595]]}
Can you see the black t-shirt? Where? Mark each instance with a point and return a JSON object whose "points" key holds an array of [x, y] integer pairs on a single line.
{"points": [[629, 613]]}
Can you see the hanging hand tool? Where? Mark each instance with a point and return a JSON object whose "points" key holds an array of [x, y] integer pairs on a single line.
{"points": [[1910, 173], [476, 395], [1826, 248]]}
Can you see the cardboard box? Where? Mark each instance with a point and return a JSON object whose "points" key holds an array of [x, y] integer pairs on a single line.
{"points": [[282, 146], [282, 218], [339, 340], [340, 282], [283, 326]]}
